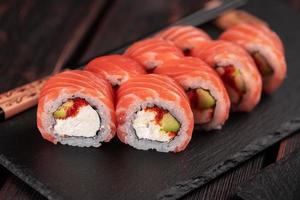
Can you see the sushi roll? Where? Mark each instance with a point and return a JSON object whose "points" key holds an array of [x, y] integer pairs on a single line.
{"points": [[116, 69], [237, 70], [207, 94], [76, 108], [266, 49], [153, 112], [184, 37], [153, 52]]}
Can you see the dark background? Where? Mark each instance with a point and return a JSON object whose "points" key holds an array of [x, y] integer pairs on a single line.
{"points": [[37, 35]]}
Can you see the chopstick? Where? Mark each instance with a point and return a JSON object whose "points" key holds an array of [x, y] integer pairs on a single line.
{"points": [[26, 96], [20, 99], [20, 91]]}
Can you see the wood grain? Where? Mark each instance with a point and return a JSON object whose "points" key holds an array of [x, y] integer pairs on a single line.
{"points": [[224, 186], [17, 189], [212, 188], [37, 35], [294, 3], [128, 21], [278, 181], [288, 146]]}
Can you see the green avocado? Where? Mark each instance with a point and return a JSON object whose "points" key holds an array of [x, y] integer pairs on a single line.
{"points": [[169, 123], [239, 81], [62, 110], [262, 64], [205, 100]]}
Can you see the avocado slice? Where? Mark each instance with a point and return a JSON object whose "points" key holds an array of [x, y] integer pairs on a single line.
{"points": [[62, 110], [262, 64], [169, 123], [233, 77], [239, 81], [205, 100]]}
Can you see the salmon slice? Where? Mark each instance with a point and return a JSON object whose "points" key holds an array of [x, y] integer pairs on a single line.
{"points": [[266, 49], [153, 52], [153, 90], [192, 73], [184, 37], [70, 84], [237, 70], [116, 69], [78, 80]]}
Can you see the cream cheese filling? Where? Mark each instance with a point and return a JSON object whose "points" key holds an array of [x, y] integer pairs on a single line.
{"points": [[146, 127], [85, 124]]}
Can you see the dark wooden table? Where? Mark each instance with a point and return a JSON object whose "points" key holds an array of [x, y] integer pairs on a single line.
{"points": [[36, 36]]}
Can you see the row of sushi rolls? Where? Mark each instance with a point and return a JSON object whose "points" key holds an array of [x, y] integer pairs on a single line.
{"points": [[154, 94]]}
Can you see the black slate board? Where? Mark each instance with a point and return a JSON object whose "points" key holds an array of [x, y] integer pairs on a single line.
{"points": [[116, 171], [278, 181]]}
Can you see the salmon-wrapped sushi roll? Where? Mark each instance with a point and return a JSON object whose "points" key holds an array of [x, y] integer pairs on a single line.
{"points": [[237, 70], [116, 69], [266, 49], [76, 108], [151, 53], [153, 112], [184, 37], [207, 94]]}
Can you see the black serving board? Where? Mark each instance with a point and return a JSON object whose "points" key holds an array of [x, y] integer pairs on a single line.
{"points": [[280, 181], [117, 171]]}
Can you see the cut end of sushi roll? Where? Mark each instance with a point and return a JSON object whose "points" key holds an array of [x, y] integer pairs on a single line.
{"points": [[76, 118], [77, 121], [203, 105], [76, 108], [270, 80], [155, 126], [263, 65], [237, 70], [234, 83], [266, 49], [207, 95], [271, 69], [153, 112], [155, 123]]}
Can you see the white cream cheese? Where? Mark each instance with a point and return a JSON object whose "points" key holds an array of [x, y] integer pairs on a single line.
{"points": [[86, 123], [146, 127]]}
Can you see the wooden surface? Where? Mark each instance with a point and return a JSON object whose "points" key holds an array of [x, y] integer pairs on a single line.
{"points": [[279, 181], [36, 36], [70, 34], [14, 188], [224, 187], [127, 21]]}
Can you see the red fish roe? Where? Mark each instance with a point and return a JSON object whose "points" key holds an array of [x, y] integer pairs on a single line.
{"points": [[193, 99], [158, 117], [72, 111], [77, 104], [172, 134], [159, 113]]}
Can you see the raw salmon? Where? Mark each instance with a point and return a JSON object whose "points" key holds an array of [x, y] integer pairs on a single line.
{"points": [[144, 92], [116, 69], [237, 70], [184, 37], [266, 49], [74, 84], [194, 75], [153, 52]]}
